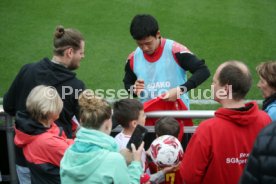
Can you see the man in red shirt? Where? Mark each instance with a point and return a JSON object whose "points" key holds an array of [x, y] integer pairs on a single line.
{"points": [[218, 150]]}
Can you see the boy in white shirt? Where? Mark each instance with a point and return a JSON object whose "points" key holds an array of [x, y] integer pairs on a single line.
{"points": [[128, 113]]}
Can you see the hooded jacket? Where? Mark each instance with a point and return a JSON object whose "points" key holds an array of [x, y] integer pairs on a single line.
{"points": [[218, 150], [94, 158], [43, 148], [47, 73]]}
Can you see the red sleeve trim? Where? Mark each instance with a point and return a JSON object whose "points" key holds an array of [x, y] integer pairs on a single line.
{"points": [[130, 58], [179, 48]]}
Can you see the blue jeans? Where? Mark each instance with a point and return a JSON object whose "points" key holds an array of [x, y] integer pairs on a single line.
{"points": [[24, 174]]}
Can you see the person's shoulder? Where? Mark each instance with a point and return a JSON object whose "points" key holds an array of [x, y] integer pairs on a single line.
{"points": [[79, 83], [115, 157], [31, 65], [272, 106], [130, 60], [48, 140], [209, 122], [269, 130], [180, 48], [207, 126], [130, 56], [118, 137], [43, 61], [76, 83], [263, 116]]}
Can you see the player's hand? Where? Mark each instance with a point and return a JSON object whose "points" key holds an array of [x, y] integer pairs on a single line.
{"points": [[139, 86], [172, 94], [137, 153]]}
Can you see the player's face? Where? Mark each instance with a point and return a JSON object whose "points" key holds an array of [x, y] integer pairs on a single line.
{"points": [[267, 91], [77, 56], [149, 44]]}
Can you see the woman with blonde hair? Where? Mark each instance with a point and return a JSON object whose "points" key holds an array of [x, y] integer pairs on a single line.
{"points": [[43, 143], [94, 157], [267, 84]]}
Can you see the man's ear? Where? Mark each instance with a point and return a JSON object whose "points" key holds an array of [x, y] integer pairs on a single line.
{"points": [[69, 52], [229, 92], [158, 34]]}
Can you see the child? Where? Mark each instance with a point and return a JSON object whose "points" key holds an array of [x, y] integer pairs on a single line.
{"points": [[94, 157], [128, 113], [166, 126], [43, 143]]}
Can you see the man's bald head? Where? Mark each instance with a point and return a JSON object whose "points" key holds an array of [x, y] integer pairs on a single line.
{"points": [[237, 74]]}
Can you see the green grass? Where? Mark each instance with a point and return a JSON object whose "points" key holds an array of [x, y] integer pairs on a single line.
{"points": [[214, 30]]}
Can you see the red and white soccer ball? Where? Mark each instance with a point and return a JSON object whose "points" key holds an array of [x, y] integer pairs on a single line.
{"points": [[166, 151]]}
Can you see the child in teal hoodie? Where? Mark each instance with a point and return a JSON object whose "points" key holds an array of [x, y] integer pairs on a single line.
{"points": [[94, 157]]}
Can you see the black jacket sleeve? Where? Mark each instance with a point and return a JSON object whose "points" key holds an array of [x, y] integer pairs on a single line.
{"points": [[129, 78], [9, 101], [199, 70]]}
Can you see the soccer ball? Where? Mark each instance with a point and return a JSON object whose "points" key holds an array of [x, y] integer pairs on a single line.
{"points": [[166, 151]]}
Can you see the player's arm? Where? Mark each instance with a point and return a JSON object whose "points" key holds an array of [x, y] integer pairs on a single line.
{"points": [[189, 62], [197, 67], [133, 85], [130, 77]]}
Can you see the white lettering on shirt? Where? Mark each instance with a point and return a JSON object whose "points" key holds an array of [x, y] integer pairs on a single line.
{"points": [[159, 85], [242, 159]]}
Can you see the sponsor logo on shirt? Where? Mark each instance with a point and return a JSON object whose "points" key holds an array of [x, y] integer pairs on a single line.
{"points": [[159, 85], [242, 159]]}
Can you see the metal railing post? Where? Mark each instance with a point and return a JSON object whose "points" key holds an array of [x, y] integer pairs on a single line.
{"points": [[11, 149]]}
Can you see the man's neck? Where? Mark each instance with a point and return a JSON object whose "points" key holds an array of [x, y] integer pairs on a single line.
{"points": [[232, 104], [59, 61]]}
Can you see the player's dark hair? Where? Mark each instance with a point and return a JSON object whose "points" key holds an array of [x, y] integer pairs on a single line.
{"points": [[143, 26]]}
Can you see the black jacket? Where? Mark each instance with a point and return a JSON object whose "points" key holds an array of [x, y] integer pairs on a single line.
{"points": [[47, 73], [261, 165]]}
